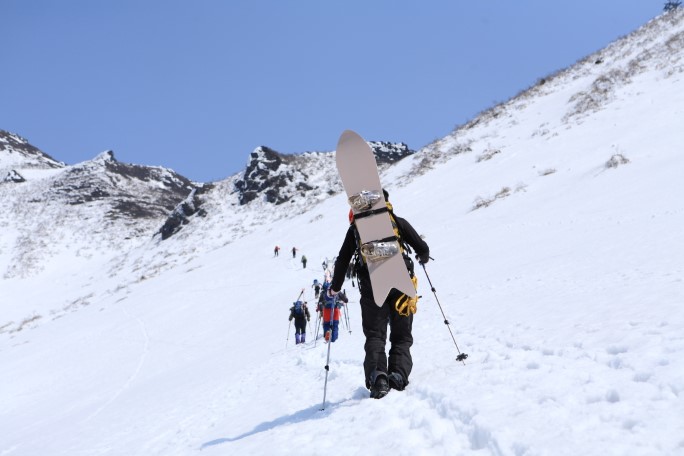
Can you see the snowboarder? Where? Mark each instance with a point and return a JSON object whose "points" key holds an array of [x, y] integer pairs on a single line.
{"points": [[301, 315], [382, 373], [294, 252], [304, 261], [276, 251], [317, 287]]}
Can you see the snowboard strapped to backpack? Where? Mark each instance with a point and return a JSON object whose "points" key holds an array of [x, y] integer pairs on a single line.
{"points": [[384, 248], [358, 170]]}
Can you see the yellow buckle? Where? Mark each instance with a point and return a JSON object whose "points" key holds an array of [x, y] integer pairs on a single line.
{"points": [[406, 306]]}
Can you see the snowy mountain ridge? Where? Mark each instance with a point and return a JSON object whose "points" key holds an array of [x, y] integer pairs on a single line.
{"points": [[554, 227], [564, 100], [104, 210]]}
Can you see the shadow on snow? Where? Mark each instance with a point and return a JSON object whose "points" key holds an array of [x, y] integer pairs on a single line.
{"points": [[310, 413]]}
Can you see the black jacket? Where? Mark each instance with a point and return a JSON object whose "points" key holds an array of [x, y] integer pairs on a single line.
{"points": [[406, 231]]}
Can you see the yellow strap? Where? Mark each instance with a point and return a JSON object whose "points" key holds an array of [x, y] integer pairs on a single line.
{"points": [[405, 305]]}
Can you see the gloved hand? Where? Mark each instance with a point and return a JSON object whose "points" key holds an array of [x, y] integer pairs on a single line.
{"points": [[424, 258]]}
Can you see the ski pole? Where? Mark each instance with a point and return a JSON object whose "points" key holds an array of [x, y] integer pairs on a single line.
{"points": [[327, 369], [288, 333], [461, 356], [344, 309], [346, 314], [318, 325], [327, 361], [346, 317]]}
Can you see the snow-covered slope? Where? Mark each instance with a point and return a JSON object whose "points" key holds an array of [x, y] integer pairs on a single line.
{"points": [[555, 227]]}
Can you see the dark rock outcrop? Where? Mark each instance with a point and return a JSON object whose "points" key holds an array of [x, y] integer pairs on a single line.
{"points": [[264, 176], [277, 178], [13, 176], [181, 214], [129, 191]]}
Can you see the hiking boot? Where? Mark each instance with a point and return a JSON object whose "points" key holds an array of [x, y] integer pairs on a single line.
{"points": [[380, 388], [396, 381]]}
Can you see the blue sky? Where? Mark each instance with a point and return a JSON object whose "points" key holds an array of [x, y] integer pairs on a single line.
{"points": [[197, 85]]}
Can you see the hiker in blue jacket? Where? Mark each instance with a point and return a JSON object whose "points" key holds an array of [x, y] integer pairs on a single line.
{"points": [[301, 315]]}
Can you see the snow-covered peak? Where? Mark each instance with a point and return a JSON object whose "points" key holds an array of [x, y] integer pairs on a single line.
{"points": [[101, 203], [16, 154], [104, 157]]}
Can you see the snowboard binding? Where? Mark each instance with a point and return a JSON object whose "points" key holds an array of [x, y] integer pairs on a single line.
{"points": [[364, 200], [375, 251]]}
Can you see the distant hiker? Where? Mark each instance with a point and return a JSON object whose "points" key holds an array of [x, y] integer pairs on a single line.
{"points": [[294, 252], [301, 315], [382, 373], [317, 287], [276, 251], [330, 306], [304, 261], [325, 264]]}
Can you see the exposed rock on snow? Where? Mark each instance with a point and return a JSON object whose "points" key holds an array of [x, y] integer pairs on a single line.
{"points": [[13, 176], [278, 178]]}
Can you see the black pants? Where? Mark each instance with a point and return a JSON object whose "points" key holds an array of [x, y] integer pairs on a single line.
{"points": [[300, 325], [374, 321]]}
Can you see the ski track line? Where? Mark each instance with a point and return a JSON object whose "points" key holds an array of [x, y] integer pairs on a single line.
{"points": [[136, 372]]}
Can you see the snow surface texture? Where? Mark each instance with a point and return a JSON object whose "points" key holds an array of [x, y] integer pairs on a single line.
{"points": [[555, 222]]}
